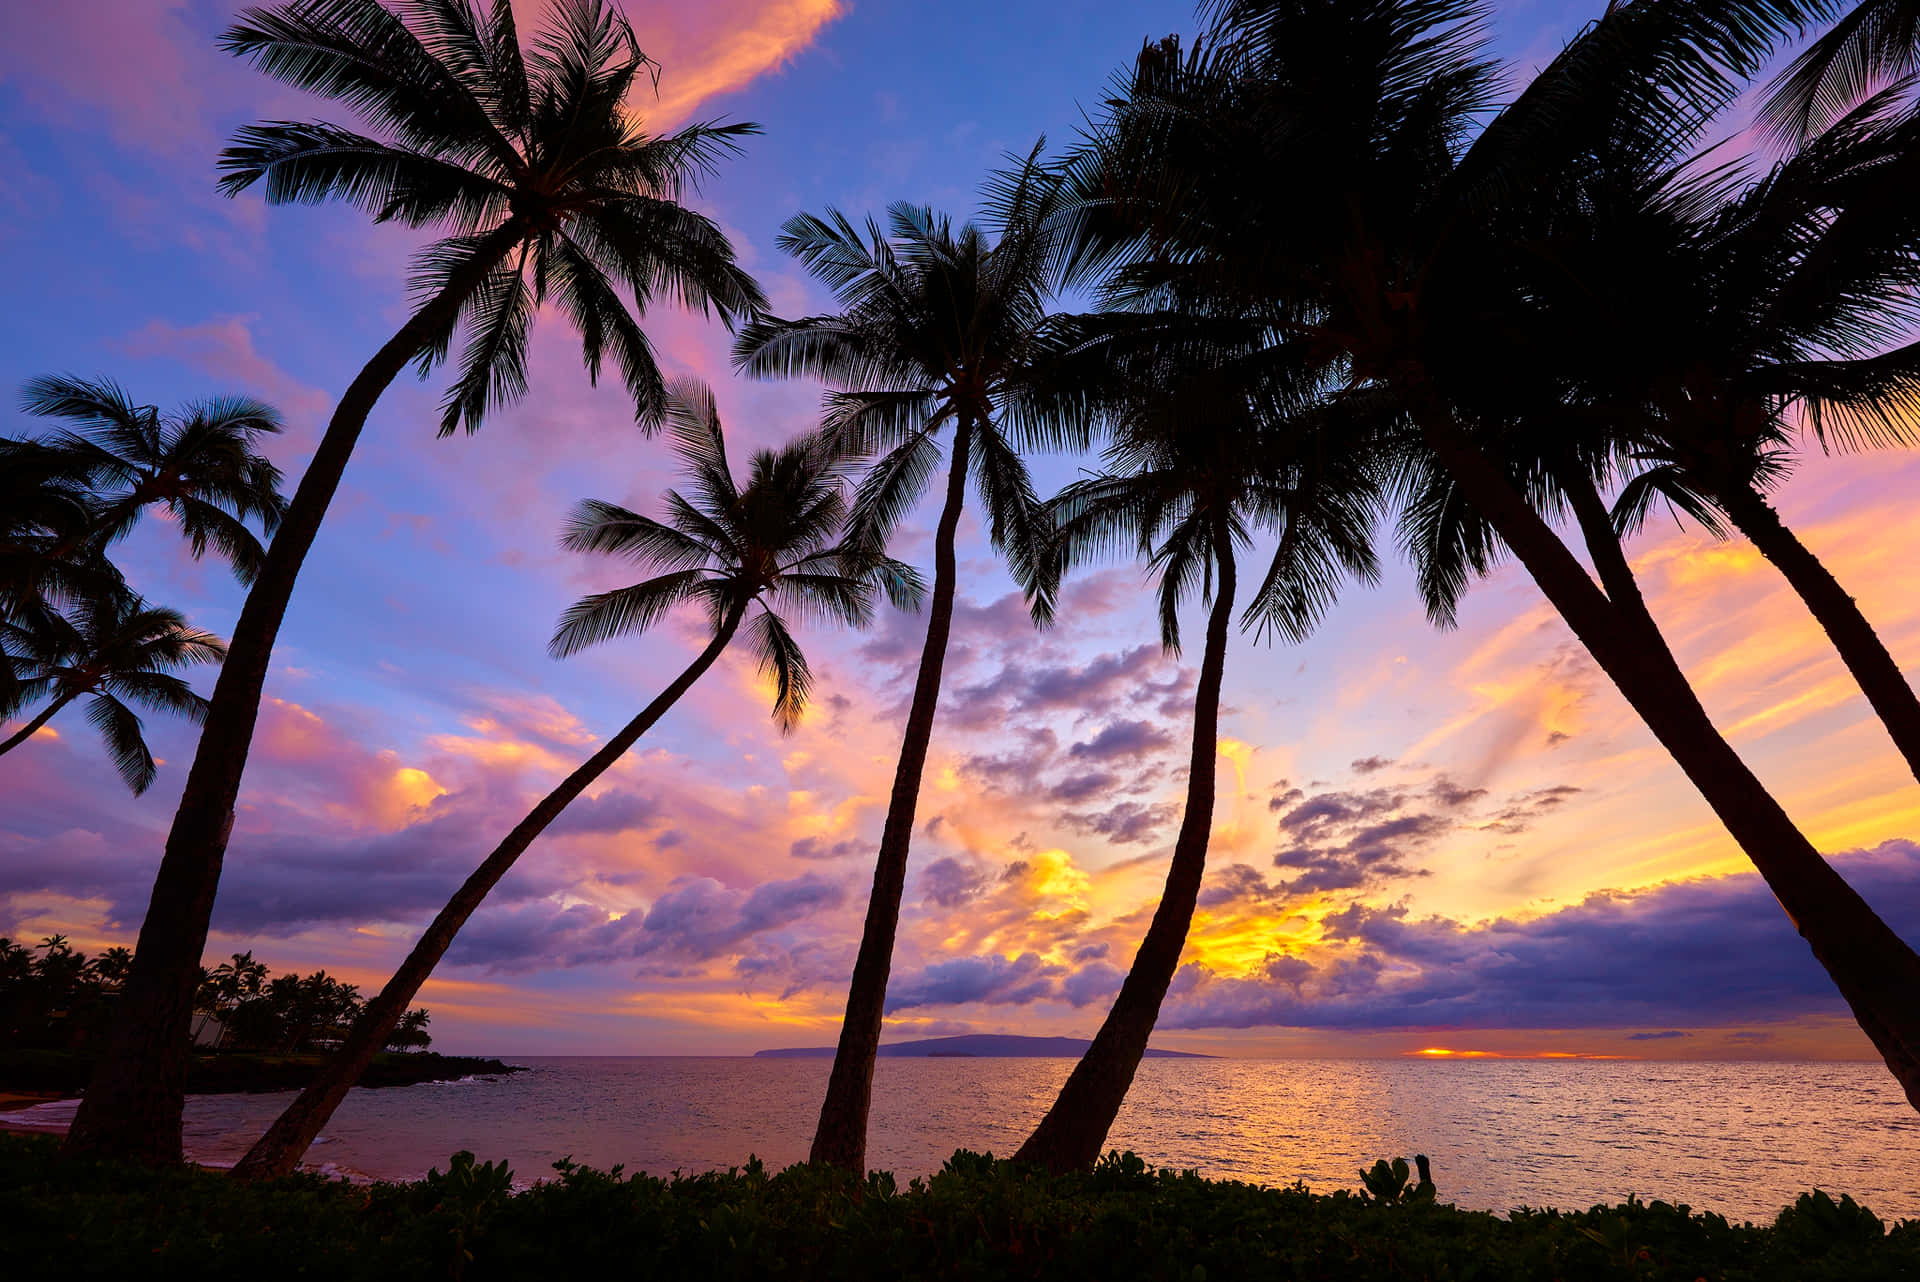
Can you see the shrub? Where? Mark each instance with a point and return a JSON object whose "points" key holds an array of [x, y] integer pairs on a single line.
{"points": [[976, 1219]]}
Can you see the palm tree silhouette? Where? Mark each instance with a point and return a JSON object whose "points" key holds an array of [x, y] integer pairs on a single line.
{"points": [[46, 509], [1203, 458], [1874, 46], [767, 549], [546, 188], [1717, 322], [114, 653], [1404, 265], [201, 463], [938, 329]]}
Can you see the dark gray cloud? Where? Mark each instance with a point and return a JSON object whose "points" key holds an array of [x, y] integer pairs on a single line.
{"points": [[615, 811], [1692, 953], [952, 883], [1371, 765], [815, 848], [694, 921], [991, 979], [1665, 1035], [1125, 823], [1122, 740]]}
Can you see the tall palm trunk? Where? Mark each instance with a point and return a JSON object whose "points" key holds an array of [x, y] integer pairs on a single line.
{"points": [[1070, 1136], [25, 732], [1864, 653], [132, 1106], [1876, 971], [841, 1139], [281, 1148]]}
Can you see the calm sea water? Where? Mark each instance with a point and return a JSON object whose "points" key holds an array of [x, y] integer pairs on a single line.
{"points": [[1740, 1139]]}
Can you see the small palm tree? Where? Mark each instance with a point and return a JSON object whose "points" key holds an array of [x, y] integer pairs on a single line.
{"points": [[1199, 464], [411, 1034], [747, 557], [939, 330], [114, 653], [202, 463], [545, 187]]}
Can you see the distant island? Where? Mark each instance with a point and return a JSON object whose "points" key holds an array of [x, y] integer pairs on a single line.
{"points": [[973, 1045]]}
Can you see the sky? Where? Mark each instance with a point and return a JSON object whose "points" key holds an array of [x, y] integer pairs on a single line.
{"points": [[1424, 840]]}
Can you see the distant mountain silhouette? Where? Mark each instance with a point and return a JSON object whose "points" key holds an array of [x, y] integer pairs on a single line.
{"points": [[973, 1045]]}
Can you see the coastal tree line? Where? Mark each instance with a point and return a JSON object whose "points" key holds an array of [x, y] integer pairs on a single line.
{"points": [[1348, 282], [55, 997]]}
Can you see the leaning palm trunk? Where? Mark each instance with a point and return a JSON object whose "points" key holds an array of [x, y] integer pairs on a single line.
{"points": [[1070, 1136], [1875, 970], [45, 715], [1864, 653], [133, 1104], [278, 1151], [841, 1138]]}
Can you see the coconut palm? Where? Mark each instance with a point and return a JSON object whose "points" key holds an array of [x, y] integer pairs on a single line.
{"points": [[201, 462], [941, 331], [1874, 45], [1404, 264], [748, 557], [46, 508], [114, 653], [1201, 463], [1718, 321], [545, 187]]}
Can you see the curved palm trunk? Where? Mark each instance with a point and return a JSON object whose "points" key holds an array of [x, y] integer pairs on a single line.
{"points": [[1876, 971], [1864, 653], [46, 714], [132, 1106], [278, 1151], [841, 1138], [1071, 1135]]}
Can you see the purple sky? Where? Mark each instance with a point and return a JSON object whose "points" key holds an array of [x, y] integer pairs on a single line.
{"points": [[1457, 839]]}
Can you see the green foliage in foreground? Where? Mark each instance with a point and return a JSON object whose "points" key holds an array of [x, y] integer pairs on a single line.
{"points": [[977, 1219]]}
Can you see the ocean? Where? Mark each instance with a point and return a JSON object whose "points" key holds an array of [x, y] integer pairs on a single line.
{"points": [[1738, 1139]]}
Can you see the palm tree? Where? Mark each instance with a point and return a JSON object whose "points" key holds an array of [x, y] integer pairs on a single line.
{"points": [[1714, 318], [938, 329], [1404, 264], [411, 1034], [46, 505], [546, 187], [1874, 45], [1200, 462], [765, 549], [113, 653], [202, 463]]}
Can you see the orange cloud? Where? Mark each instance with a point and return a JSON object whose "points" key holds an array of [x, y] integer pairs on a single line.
{"points": [[715, 48]]}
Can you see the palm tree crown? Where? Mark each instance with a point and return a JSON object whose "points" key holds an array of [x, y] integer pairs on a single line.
{"points": [[201, 462], [116, 651], [939, 328], [771, 544], [547, 186]]}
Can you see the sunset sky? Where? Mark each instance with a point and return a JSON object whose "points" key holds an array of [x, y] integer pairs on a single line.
{"points": [[1424, 840]]}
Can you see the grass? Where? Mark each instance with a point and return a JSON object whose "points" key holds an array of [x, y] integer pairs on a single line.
{"points": [[976, 1219]]}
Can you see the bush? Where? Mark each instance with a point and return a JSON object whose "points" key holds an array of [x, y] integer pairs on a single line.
{"points": [[976, 1219]]}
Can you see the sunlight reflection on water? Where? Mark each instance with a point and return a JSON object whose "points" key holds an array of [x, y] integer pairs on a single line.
{"points": [[1740, 1139]]}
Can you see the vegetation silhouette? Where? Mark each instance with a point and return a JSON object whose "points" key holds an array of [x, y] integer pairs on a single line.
{"points": [[547, 188], [1408, 271], [940, 329], [1210, 446], [746, 556], [1337, 271]]}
